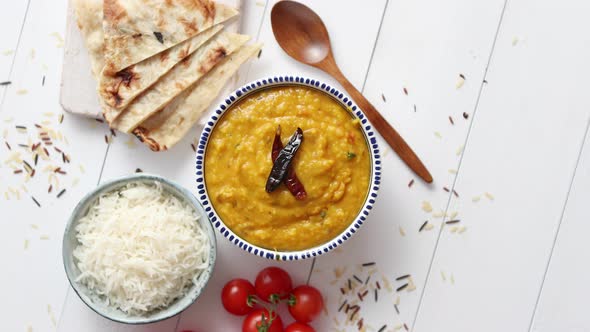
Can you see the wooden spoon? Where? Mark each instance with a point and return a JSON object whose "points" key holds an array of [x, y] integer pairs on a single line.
{"points": [[302, 34]]}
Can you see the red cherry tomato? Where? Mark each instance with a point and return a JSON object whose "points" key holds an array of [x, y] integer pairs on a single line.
{"points": [[273, 281], [305, 304], [253, 322], [299, 327], [235, 294]]}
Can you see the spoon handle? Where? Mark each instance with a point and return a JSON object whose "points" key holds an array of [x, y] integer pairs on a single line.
{"points": [[390, 135]]}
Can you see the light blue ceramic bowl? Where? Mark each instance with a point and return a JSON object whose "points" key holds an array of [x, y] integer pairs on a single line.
{"points": [[354, 111], [70, 243]]}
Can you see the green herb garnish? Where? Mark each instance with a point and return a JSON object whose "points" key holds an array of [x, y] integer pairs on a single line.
{"points": [[323, 214], [350, 155]]}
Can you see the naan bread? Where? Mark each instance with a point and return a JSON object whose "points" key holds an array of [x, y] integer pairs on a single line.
{"points": [[119, 89], [89, 18], [165, 128], [181, 77], [135, 30]]}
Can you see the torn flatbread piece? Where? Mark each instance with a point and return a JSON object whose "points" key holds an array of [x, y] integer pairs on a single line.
{"points": [[181, 77], [118, 90], [169, 125], [89, 19], [135, 30]]}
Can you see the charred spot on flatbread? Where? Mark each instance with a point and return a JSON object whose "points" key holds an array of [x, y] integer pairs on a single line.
{"points": [[159, 37], [143, 135], [212, 59]]}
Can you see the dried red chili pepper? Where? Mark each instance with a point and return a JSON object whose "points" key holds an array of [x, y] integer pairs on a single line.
{"points": [[291, 181]]}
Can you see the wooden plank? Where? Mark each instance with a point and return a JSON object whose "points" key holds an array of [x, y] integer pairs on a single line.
{"points": [[523, 148], [418, 61], [12, 17], [563, 296], [34, 234]]}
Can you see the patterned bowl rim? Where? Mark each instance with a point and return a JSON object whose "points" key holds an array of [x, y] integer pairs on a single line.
{"points": [[354, 110]]}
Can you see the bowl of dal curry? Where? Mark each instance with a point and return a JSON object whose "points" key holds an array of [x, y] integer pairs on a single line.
{"points": [[287, 168]]}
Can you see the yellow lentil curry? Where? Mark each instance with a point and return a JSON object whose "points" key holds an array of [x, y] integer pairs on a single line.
{"points": [[333, 164]]}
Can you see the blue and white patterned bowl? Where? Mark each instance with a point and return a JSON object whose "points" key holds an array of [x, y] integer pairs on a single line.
{"points": [[254, 87], [70, 242]]}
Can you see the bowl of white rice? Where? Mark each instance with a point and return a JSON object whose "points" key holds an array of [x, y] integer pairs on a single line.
{"points": [[139, 249]]}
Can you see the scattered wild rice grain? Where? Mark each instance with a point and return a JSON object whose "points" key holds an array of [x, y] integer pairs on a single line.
{"points": [[50, 188], [368, 264], [451, 120], [382, 328], [396, 308], [454, 221], [465, 115], [61, 193], [138, 170], [367, 280], [401, 288], [5, 83], [377, 285], [36, 202], [411, 183], [8, 145], [423, 225], [405, 276], [99, 120], [342, 306], [193, 147], [414, 108], [18, 171], [446, 189], [259, 53], [455, 193], [406, 327], [405, 91], [357, 279], [383, 97]]}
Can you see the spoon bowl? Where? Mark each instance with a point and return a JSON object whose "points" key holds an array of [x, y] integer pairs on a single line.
{"points": [[308, 37], [301, 33]]}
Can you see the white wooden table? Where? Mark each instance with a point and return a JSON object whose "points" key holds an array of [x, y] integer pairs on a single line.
{"points": [[517, 156]]}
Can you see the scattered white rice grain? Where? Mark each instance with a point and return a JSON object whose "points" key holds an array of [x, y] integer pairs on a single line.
{"points": [[29, 328], [452, 279], [59, 40], [459, 150], [489, 196], [454, 229], [34, 226], [6, 197], [75, 182], [462, 229], [51, 315], [401, 231], [26, 245], [22, 91], [475, 199], [437, 134], [460, 82], [426, 206], [48, 114], [443, 275], [452, 171], [260, 3], [428, 227], [514, 41], [7, 52], [32, 53], [44, 237], [453, 215], [439, 214]]}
